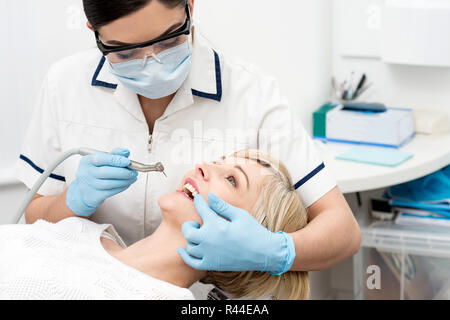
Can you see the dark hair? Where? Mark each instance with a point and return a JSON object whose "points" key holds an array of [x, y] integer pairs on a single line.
{"points": [[102, 12]]}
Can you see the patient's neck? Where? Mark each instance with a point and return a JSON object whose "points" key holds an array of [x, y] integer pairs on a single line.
{"points": [[157, 257]]}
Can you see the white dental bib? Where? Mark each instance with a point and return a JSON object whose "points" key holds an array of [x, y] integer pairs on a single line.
{"points": [[66, 261]]}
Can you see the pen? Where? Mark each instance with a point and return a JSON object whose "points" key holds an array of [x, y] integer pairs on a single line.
{"points": [[345, 95], [351, 90], [360, 85], [342, 88], [335, 89]]}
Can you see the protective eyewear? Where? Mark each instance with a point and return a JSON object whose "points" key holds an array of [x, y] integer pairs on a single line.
{"points": [[153, 47]]}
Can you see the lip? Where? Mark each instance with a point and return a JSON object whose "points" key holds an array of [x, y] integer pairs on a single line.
{"points": [[192, 183]]}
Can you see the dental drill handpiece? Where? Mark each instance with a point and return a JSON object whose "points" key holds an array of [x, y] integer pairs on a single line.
{"points": [[147, 168], [158, 167]]}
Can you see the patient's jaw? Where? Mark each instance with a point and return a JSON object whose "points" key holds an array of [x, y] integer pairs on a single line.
{"points": [[237, 181]]}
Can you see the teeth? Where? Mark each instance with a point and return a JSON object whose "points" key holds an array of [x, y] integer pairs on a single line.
{"points": [[191, 189]]}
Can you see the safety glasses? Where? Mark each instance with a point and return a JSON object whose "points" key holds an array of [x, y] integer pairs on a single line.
{"points": [[162, 42]]}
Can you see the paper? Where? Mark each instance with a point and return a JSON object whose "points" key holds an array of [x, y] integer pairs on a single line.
{"points": [[376, 156]]}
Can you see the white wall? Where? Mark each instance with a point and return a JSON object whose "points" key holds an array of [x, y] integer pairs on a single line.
{"points": [[288, 39], [34, 34], [356, 47]]}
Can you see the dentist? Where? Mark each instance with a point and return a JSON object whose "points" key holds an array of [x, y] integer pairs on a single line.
{"points": [[155, 85]]}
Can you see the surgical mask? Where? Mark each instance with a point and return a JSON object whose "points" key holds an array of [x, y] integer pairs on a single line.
{"points": [[156, 76]]}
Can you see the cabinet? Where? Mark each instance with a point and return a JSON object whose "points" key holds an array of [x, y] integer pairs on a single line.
{"points": [[401, 263]]}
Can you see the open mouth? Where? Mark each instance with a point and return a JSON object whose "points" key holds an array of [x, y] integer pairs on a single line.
{"points": [[190, 188]]}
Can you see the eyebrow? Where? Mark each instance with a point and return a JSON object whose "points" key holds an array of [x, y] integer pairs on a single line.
{"points": [[246, 177], [239, 168], [172, 28]]}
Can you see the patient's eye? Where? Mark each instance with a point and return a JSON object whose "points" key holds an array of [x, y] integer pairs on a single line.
{"points": [[232, 180]]}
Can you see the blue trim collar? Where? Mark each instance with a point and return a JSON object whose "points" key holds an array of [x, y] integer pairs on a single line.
{"points": [[98, 83], [218, 95]]}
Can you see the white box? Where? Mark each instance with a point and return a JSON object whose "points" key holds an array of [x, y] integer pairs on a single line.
{"points": [[392, 128]]}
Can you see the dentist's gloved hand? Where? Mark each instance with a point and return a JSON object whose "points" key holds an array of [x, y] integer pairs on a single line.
{"points": [[99, 176], [240, 244]]}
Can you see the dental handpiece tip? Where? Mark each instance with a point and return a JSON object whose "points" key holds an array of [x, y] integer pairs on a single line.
{"points": [[161, 168]]}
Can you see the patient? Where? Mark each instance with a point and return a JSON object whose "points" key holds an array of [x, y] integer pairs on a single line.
{"points": [[79, 259]]}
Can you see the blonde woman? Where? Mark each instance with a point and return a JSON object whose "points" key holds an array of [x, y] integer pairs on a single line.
{"points": [[79, 259]]}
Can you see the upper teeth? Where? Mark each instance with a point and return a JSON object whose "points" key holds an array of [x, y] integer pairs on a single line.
{"points": [[189, 187]]}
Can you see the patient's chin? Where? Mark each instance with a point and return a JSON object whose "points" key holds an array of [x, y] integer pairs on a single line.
{"points": [[175, 207], [167, 202]]}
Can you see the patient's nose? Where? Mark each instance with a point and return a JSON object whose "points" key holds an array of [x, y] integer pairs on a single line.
{"points": [[202, 171]]}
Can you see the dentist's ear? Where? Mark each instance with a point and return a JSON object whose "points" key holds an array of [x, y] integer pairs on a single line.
{"points": [[89, 25]]}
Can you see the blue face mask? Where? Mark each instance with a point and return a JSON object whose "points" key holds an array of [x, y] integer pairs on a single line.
{"points": [[156, 77]]}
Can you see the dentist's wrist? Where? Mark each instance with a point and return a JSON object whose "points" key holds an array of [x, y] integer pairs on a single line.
{"points": [[75, 202], [286, 255]]}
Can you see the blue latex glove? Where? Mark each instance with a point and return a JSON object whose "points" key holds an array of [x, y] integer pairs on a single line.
{"points": [[237, 244], [99, 176]]}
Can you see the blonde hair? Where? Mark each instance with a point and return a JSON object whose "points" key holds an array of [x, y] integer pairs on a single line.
{"points": [[278, 208]]}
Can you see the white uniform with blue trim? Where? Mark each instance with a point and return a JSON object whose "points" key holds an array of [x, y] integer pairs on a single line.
{"points": [[222, 107]]}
